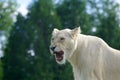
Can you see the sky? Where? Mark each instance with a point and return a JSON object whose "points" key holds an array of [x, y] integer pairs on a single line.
{"points": [[23, 4]]}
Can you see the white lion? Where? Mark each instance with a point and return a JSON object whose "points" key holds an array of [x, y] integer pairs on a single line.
{"points": [[90, 57]]}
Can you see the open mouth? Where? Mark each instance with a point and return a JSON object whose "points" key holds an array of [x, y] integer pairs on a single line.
{"points": [[59, 55]]}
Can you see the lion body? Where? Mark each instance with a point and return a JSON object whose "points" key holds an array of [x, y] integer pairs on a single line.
{"points": [[90, 57], [95, 60]]}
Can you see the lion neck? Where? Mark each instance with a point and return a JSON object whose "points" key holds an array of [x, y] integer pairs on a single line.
{"points": [[75, 58]]}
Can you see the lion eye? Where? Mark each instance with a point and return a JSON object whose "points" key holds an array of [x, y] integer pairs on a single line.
{"points": [[62, 38]]}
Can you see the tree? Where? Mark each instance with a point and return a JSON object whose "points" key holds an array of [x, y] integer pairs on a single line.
{"points": [[1, 71], [108, 23], [73, 13], [13, 65], [7, 9], [44, 21], [27, 54], [96, 17]]}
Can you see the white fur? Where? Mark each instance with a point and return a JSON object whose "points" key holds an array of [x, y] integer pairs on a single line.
{"points": [[90, 57]]}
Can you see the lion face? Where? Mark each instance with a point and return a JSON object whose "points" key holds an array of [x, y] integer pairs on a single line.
{"points": [[63, 44]]}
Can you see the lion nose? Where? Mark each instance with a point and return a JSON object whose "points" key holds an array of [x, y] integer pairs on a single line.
{"points": [[53, 48]]}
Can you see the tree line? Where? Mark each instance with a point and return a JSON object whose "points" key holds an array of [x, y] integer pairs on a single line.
{"points": [[26, 52]]}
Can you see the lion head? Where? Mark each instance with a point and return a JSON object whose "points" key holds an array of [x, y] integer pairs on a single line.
{"points": [[64, 43]]}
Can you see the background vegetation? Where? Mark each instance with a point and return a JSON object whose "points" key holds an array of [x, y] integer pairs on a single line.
{"points": [[26, 47]]}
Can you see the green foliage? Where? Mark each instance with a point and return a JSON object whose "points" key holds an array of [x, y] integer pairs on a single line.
{"points": [[14, 60], [7, 9], [108, 27], [1, 70], [44, 21], [73, 14], [27, 55], [33, 33]]}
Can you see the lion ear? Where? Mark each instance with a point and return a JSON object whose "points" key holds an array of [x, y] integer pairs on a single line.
{"points": [[75, 31], [55, 30]]}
